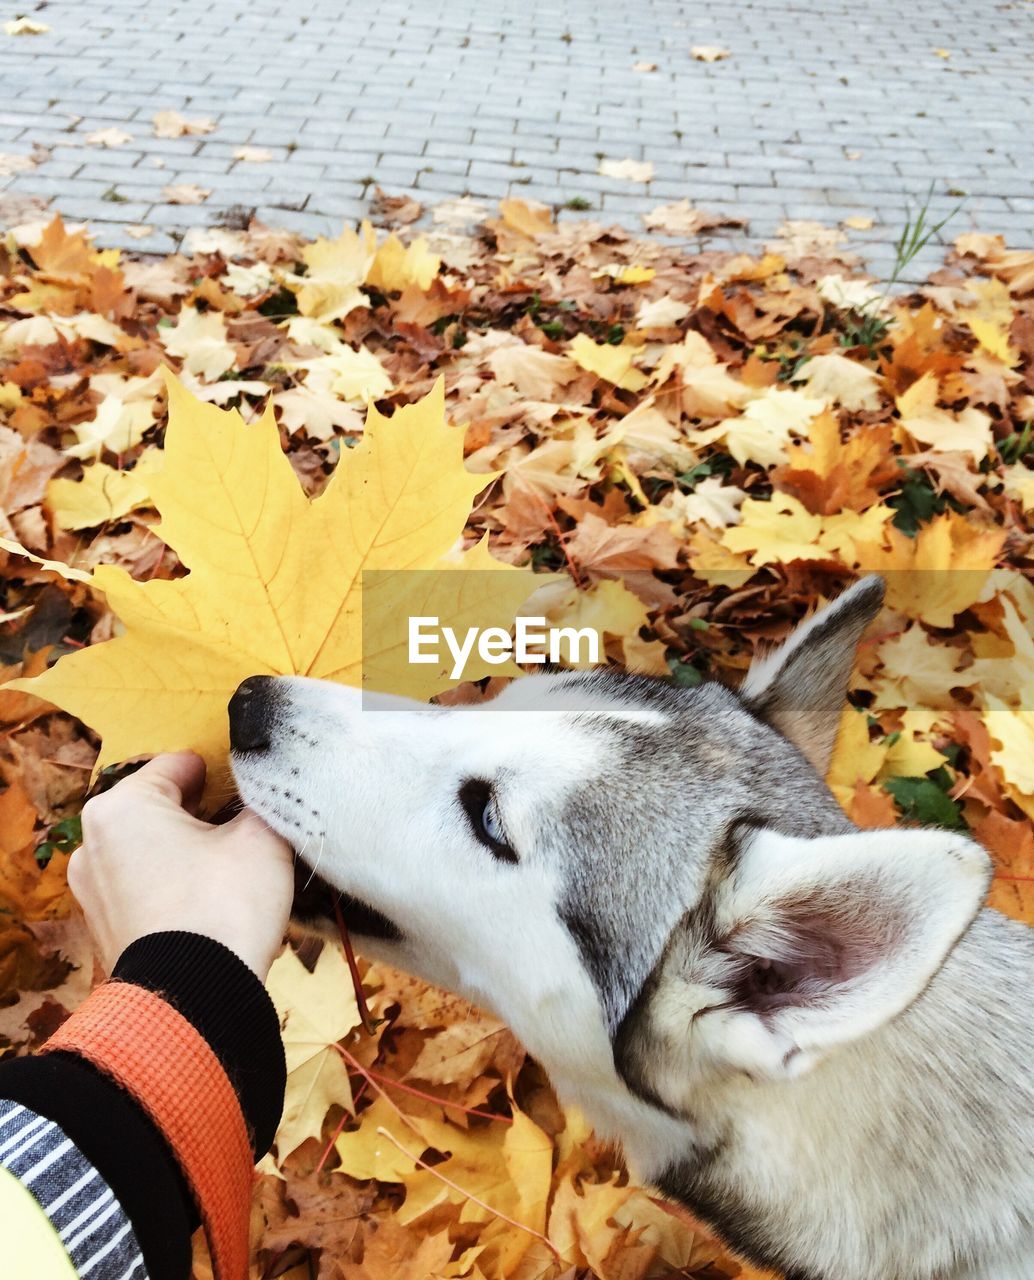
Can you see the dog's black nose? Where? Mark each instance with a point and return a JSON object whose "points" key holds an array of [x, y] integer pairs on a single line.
{"points": [[250, 712]]}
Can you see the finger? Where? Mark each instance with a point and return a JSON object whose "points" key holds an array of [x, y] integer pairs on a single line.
{"points": [[247, 825], [177, 776]]}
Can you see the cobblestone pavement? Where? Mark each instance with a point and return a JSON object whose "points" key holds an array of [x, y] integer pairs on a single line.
{"points": [[823, 109]]}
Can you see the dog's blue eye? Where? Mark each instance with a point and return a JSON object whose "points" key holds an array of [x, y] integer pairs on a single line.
{"points": [[475, 795], [490, 821]]}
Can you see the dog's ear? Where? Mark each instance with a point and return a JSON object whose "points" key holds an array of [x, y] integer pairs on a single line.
{"points": [[800, 687], [835, 936], [803, 945]]}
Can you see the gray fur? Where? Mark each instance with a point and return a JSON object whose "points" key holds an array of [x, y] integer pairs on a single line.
{"points": [[830, 1066]]}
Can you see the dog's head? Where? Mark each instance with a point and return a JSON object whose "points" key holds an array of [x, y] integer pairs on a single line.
{"points": [[624, 870]]}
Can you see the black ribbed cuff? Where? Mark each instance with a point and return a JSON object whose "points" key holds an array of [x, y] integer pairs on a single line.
{"points": [[122, 1143], [226, 1003]]}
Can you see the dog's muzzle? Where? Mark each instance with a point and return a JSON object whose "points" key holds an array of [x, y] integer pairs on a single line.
{"points": [[251, 714]]}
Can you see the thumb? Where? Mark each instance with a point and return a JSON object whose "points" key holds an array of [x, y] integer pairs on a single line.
{"points": [[177, 776], [248, 828]]}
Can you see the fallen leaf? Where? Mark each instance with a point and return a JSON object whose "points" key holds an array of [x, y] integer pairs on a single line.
{"points": [[253, 155], [682, 219], [185, 193], [316, 1010], [613, 363], [838, 380], [708, 52], [170, 124], [627, 170], [103, 494], [112, 137], [260, 570], [25, 27]]}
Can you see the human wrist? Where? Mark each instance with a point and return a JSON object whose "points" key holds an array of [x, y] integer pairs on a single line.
{"points": [[220, 995]]}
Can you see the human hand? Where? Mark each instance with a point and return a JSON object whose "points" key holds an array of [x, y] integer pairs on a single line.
{"points": [[148, 864]]}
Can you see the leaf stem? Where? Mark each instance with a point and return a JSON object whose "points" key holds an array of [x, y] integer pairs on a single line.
{"points": [[473, 1198]]}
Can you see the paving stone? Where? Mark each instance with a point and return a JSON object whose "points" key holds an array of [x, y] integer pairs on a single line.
{"points": [[442, 99]]}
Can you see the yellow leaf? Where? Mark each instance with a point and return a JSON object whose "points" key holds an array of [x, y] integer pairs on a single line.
{"points": [[614, 364], [1012, 728], [118, 426], [580, 1221], [316, 1011], [54, 566], [855, 758], [396, 265], [918, 671], [940, 572], [354, 375], [714, 563], [835, 379], [103, 493], [1018, 481], [336, 269], [671, 1234], [776, 531], [608, 608], [10, 395], [199, 339], [711, 502], [965, 432], [275, 579], [910, 755], [527, 217], [994, 338], [535, 373], [635, 275], [844, 535], [170, 124], [762, 432], [25, 27]]}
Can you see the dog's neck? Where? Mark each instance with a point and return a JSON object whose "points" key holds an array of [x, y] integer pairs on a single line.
{"points": [[909, 1126]]}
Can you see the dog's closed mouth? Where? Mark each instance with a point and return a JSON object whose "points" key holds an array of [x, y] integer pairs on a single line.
{"points": [[314, 901]]}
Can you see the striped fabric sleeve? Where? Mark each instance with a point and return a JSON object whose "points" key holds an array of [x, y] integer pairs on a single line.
{"points": [[90, 1223]]}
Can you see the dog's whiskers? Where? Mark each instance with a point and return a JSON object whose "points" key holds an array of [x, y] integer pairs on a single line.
{"points": [[315, 865]]}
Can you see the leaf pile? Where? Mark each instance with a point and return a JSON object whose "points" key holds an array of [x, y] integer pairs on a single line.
{"points": [[706, 446]]}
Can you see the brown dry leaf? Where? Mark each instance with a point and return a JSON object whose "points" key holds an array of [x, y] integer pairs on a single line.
{"points": [[170, 124], [394, 211], [682, 219], [185, 193], [691, 440], [603, 551], [831, 475]]}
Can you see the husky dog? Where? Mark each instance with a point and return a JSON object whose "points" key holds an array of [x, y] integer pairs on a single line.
{"points": [[809, 1034]]}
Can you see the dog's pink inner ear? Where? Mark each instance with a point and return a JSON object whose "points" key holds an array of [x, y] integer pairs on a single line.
{"points": [[804, 948]]}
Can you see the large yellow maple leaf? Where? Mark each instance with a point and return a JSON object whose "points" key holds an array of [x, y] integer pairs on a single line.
{"points": [[275, 580]]}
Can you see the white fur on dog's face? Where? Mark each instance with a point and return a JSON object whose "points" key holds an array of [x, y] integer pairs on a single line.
{"points": [[368, 791]]}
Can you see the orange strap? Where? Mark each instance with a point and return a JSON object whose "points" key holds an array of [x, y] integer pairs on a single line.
{"points": [[156, 1055]]}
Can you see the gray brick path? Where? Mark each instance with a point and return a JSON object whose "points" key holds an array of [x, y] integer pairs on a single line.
{"points": [[824, 109]]}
